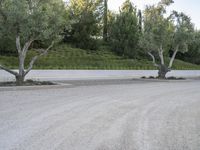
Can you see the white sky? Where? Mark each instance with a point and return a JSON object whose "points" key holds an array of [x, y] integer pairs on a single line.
{"points": [[190, 7]]}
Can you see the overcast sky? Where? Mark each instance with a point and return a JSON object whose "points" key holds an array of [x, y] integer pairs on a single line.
{"points": [[190, 7]]}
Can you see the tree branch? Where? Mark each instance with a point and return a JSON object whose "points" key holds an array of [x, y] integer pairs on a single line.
{"points": [[154, 60], [8, 70], [173, 57], [43, 52], [18, 44], [26, 46], [160, 51]]}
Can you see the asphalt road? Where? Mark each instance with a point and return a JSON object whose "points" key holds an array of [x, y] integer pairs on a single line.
{"points": [[123, 115]]}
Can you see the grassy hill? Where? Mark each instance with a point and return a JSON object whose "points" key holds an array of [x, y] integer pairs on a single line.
{"points": [[65, 57]]}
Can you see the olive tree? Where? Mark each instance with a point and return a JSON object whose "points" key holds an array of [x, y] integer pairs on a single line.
{"points": [[164, 33], [157, 35], [28, 21]]}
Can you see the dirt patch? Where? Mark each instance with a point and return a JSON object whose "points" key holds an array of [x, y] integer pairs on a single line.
{"points": [[168, 78], [27, 83]]}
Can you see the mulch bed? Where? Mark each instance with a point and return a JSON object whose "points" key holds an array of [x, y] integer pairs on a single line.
{"points": [[27, 83], [168, 78]]}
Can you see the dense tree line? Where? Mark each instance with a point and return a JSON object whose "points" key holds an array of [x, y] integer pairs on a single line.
{"points": [[89, 24], [133, 34]]}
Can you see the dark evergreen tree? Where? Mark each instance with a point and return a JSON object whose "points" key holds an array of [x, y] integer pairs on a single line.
{"points": [[85, 16], [140, 20], [124, 34], [105, 21]]}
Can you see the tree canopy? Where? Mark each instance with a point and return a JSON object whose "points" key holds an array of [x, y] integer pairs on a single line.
{"points": [[32, 19], [27, 21], [162, 34]]}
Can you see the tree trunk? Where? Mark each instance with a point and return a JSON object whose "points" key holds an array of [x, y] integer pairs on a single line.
{"points": [[19, 80], [163, 70], [160, 52], [20, 77], [140, 20], [21, 65], [173, 57]]}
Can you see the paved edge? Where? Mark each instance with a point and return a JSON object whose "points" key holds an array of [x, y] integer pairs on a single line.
{"points": [[64, 84], [35, 87]]}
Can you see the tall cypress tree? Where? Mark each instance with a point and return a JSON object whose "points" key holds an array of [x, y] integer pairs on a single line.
{"points": [[140, 20], [105, 21]]}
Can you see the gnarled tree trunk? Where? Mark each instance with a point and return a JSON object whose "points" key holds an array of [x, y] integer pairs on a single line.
{"points": [[20, 76], [163, 70], [19, 80]]}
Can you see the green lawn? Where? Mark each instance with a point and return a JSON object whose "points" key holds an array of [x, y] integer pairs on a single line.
{"points": [[66, 57]]}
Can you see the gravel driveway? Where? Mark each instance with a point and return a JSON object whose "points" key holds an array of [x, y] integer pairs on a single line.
{"points": [[114, 116]]}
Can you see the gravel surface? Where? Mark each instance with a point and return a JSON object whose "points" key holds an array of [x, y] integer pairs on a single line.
{"points": [[110, 116]]}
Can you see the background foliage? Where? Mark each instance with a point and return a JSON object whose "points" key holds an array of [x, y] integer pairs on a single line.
{"points": [[130, 34]]}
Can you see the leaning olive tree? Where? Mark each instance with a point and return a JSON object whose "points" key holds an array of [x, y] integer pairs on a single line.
{"points": [[28, 21]]}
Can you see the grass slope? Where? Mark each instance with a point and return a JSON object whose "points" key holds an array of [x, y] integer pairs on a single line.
{"points": [[66, 57]]}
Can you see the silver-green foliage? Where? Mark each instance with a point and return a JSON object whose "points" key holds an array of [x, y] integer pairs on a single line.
{"points": [[162, 34], [32, 19], [28, 21]]}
